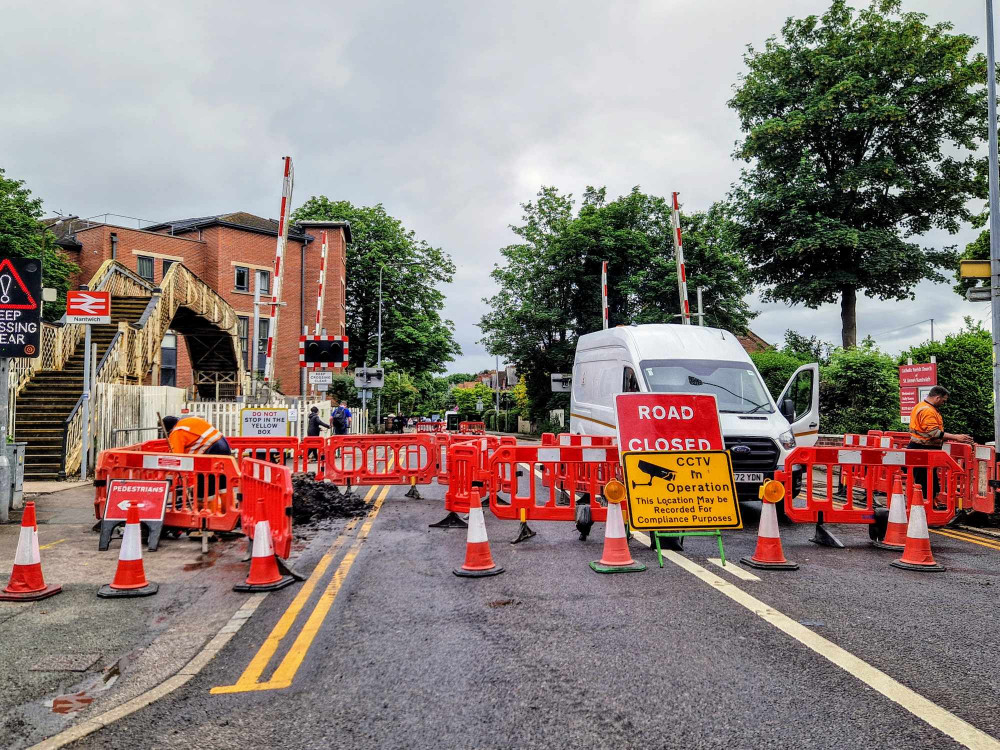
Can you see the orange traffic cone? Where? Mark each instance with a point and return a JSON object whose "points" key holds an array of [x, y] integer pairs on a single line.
{"points": [[478, 558], [130, 577], [917, 552], [895, 530], [264, 574], [26, 582], [769, 555], [616, 557]]}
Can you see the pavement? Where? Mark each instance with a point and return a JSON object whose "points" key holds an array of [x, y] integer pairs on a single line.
{"points": [[383, 646]]}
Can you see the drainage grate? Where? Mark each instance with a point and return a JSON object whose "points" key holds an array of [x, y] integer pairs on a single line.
{"points": [[66, 663]]}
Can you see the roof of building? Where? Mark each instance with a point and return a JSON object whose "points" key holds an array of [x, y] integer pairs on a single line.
{"points": [[235, 219], [62, 227], [753, 343]]}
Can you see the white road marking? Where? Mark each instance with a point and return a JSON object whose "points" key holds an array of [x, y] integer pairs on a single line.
{"points": [[944, 721], [734, 569]]}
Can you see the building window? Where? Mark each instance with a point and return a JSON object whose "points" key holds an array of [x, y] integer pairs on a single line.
{"points": [[144, 267], [264, 281], [242, 279], [244, 328], [166, 265], [168, 359]]}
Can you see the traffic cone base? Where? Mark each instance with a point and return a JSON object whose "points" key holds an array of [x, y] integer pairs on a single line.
{"points": [[917, 552], [264, 574], [107, 591], [478, 558], [616, 557], [895, 530], [768, 555], [26, 582]]}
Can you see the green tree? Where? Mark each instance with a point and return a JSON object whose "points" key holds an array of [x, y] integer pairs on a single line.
{"points": [[978, 249], [861, 132], [965, 368], [23, 236], [776, 367], [549, 281], [414, 335], [432, 394], [465, 399], [859, 391]]}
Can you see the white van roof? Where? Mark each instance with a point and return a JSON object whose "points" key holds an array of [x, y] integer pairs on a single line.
{"points": [[669, 341]]}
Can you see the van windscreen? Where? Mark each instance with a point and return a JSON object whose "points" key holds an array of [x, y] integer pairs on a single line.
{"points": [[736, 385]]}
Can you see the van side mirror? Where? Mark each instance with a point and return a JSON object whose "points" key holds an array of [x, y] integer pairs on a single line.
{"points": [[787, 409]]}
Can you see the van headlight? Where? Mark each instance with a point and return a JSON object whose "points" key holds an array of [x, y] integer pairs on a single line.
{"points": [[787, 440]]}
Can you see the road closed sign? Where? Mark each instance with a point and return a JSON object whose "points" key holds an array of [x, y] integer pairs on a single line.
{"points": [[264, 422], [20, 307], [668, 422], [682, 490]]}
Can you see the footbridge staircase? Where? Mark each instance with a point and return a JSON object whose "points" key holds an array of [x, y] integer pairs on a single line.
{"points": [[49, 414]]}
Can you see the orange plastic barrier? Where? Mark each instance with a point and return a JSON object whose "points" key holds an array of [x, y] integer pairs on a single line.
{"points": [[472, 428], [262, 480], [306, 446], [861, 466], [425, 427], [381, 459], [204, 489], [273, 449], [580, 470], [556, 474]]}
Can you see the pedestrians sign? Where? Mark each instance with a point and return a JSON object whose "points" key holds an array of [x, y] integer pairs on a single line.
{"points": [[668, 421], [20, 307], [92, 308], [149, 496], [264, 422], [671, 491]]}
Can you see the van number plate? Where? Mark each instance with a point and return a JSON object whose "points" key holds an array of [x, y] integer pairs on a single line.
{"points": [[756, 477]]}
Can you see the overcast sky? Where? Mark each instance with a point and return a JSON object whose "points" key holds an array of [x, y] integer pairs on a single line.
{"points": [[451, 114]]}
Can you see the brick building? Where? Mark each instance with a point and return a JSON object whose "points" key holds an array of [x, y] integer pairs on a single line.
{"points": [[226, 251]]}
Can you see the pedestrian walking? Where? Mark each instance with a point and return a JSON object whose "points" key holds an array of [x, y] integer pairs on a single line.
{"points": [[927, 433], [341, 419], [313, 428]]}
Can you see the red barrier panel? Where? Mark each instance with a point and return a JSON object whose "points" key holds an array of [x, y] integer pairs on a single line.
{"points": [[204, 489], [581, 472], [273, 449], [261, 480], [381, 459], [425, 427], [863, 464], [443, 442], [472, 428], [307, 446], [556, 474]]}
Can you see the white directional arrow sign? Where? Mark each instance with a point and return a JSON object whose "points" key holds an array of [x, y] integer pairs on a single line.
{"points": [[88, 307]]}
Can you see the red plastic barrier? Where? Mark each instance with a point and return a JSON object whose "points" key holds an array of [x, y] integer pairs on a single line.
{"points": [[204, 489], [425, 427], [381, 459], [863, 464], [472, 428], [580, 472], [444, 441], [262, 480], [306, 446], [556, 474], [273, 449]]}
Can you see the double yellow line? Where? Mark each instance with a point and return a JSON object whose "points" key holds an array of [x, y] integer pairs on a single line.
{"points": [[964, 536], [282, 677]]}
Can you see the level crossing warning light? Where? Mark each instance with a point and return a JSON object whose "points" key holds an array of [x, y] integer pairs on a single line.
{"points": [[323, 351]]}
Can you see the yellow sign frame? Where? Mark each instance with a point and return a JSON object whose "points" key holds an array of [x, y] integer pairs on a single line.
{"points": [[694, 482], [975, 269]]}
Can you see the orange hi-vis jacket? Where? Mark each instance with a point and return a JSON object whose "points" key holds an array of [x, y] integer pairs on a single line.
{"points": [[926, 425], [192, 435]]}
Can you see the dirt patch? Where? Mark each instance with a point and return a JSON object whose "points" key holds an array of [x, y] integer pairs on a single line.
{"points": [[317, 501]]}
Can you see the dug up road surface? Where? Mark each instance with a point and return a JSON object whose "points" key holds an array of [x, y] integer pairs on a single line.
{"points": [[383, 646]]}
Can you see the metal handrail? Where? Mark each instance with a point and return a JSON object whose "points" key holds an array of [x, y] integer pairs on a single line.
{"points": [[65, 440]]}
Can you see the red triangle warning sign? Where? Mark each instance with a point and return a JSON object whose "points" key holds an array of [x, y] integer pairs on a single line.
{"points": [[14, 295]]}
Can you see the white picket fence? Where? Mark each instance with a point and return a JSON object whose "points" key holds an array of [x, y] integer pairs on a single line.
{"points": [[225, 415], [126, 414]]}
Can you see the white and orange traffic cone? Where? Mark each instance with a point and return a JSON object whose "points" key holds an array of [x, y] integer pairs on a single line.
{"points": [[895, 530], [768, 555], [26, 583], [130, 576], [917, 552], [615, 557], [264, 573], [478, 558]]}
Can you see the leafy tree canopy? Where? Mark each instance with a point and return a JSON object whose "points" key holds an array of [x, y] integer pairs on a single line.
{"points": [[23, 236], [414, 335], [862, 129], [550, 280]]}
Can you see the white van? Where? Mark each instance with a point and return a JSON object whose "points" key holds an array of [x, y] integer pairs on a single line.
{"points": [[696, 359]]}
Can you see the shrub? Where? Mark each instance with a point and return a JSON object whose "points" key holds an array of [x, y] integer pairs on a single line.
{"points": [[776, 368], [859, 391]]}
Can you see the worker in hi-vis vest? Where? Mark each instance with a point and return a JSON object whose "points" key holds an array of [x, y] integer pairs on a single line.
{"points": [[927, 433], [194, 435]]}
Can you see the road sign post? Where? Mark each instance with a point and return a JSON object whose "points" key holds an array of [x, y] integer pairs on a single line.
{"points": [[87, 308], [20, 336]]}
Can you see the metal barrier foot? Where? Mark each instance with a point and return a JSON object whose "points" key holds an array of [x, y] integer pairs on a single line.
{"points": [[450, 521], [286, 570], [413, 493], [524, 532], [825, 538]]}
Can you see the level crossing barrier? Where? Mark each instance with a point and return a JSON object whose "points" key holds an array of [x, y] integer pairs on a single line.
{"points": [[472, 428], [204, 490], [858, 467], [262, 480]]}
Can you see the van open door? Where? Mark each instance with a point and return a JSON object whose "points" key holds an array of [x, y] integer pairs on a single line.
{"points": [[799, 403]]}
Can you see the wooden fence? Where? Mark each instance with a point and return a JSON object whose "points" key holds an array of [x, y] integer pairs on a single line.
{"points": [[126, 414]]}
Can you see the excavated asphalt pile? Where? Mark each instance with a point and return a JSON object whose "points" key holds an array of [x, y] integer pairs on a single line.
{"points": [[314, 501]]}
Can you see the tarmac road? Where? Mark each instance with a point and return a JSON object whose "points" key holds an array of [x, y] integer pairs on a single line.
{"points": [[552, 655]]}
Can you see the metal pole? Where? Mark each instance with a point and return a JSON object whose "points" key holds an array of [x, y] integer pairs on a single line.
{"points": [[252, 336], [991, 77], [701, 311], [93, 380], [932, 330], [378, 409], [682, 285], [498, 393], [86, 405], [604, 293], [5, 467]]}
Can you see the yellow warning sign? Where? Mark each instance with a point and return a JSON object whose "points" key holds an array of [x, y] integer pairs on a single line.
{"points": [[681, 490]]}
